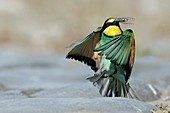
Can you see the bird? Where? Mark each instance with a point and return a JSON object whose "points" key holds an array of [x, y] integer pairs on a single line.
{"points": [[117, 59], [110, 53]]}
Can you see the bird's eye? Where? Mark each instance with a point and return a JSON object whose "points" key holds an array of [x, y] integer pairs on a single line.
{"points": [[108, 24]]}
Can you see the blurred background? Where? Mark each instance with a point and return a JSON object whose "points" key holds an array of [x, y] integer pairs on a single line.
{"points": [[48, 26], [34, 35]]}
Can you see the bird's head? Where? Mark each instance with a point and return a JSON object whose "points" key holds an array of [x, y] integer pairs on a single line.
{"points": [[114, 21], [111, 26]]}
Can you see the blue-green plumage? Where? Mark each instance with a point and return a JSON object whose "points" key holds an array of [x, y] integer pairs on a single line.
{"points": [[104, 61]]}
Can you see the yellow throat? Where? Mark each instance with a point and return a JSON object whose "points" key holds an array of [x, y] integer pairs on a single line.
{"points": [[112, 31]]}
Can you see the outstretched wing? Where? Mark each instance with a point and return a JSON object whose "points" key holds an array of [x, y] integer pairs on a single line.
{"points": [[83, 50], [118, 49]]}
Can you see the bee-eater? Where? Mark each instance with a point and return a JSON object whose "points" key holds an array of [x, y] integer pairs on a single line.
{"points": [[117, 60], [110, 52]]}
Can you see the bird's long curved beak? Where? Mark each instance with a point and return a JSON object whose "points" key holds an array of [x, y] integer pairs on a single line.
{"points": [[124, 19]]}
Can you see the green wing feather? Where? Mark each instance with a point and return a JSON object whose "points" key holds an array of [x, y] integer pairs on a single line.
{"points": [[105, 46], [86, 38], [83, 50], [118, 49]]}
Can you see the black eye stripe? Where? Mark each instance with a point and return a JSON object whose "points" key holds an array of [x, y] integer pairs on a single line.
{"points": [[107, 24]]}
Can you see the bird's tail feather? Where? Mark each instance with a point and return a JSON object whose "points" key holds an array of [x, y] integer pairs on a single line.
{"points": [[111, 86]]}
